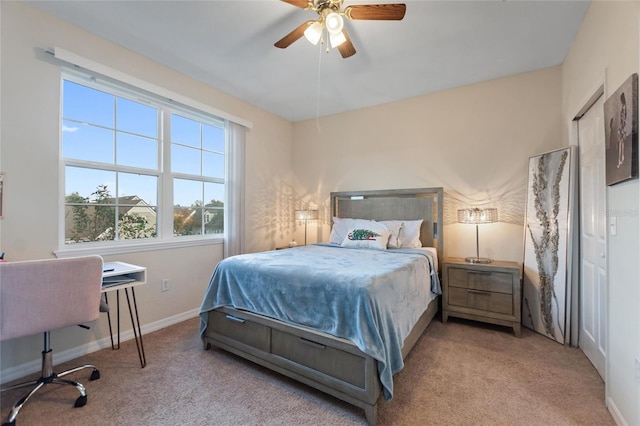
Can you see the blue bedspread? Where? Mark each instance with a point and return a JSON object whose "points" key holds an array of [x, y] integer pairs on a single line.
{"points": [[371, 297]]}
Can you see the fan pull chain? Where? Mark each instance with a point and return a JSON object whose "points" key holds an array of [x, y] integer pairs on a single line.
{"points": [[325, 41]]}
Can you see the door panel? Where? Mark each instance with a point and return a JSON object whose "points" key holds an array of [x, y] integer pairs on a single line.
{"points": [[593, 238]]}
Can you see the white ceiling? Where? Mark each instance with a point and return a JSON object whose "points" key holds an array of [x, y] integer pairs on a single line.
{"points": [[438, 45]]}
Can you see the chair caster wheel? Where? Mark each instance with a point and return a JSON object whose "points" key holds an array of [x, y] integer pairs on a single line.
{"points": [[9, 424], [81, 401], [95, 374]]}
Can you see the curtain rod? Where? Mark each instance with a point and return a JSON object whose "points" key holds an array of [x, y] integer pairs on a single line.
{"points": [[90, 65]]}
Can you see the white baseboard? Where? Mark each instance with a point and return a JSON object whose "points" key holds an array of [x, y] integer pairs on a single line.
{"points": [[615, 413], [22, 370]]}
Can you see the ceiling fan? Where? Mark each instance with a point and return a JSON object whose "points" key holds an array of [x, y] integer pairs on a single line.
{"points": [[331, 18]]}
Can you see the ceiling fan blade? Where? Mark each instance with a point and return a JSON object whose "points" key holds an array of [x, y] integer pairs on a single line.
{"points": [[292, 36], [391, 12], [346, 49], [304, 4]]}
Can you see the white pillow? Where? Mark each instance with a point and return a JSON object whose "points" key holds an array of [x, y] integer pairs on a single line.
{"points": [[367, 238], [395, 227], [342, 225], [410, 234]]}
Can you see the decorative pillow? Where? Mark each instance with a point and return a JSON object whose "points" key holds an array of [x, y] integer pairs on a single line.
{"points": [[410, 234], [367, 238], [342, 225], [395, 227]]}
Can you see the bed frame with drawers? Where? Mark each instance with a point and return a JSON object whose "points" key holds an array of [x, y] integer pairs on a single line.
{"points": [[328, 363]]}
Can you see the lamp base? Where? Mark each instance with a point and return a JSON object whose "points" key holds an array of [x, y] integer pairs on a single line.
{"points": [[478, 260]]}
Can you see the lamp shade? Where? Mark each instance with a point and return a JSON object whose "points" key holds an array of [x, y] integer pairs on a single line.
{"points": [[477, 216], [313, 33], [306, 214], [334, 23], [337, 39]]}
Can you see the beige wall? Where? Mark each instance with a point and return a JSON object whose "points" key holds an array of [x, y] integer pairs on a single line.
{"points": [[606, 52], [30, 81], [475, 141]]}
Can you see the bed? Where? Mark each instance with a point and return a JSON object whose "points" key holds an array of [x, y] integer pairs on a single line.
{"points": [[339, 319]]}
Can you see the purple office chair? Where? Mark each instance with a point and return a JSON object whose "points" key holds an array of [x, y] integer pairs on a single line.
{"points": [[37, 296]]}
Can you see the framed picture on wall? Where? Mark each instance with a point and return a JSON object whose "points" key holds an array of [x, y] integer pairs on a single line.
{"points": [[621, 132]]}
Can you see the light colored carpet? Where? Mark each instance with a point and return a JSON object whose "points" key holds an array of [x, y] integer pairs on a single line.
{"points": [[459, 373]]}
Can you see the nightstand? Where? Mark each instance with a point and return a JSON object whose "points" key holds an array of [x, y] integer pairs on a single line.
{"points": [[490, 292]]}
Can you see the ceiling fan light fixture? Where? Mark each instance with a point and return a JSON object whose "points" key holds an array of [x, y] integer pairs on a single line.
{"points": [[331, 15], [334, 23], [337, 39], [313, 32]]}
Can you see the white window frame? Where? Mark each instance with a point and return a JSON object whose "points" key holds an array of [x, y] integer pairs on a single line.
{"points": [[164, 226]]}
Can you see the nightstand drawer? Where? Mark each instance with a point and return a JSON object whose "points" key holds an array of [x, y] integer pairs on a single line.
{"points": [[491, 281], [483, 300]]}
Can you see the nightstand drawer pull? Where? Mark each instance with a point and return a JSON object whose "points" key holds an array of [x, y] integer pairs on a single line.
{"points": [[479, 272], [484, 293]]}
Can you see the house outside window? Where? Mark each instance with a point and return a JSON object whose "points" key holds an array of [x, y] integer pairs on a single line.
{"points": [[138, 168]]}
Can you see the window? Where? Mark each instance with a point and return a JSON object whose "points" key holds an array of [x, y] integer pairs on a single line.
{"points": [[197, 164], [131, 162]]}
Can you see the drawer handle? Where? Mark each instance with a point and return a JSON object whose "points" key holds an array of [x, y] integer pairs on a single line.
{"points": [[310, 343], [480, 272], [484, 293], [236, 319]]}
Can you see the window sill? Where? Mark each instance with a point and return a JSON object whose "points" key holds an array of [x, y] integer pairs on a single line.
{"points": [[132, 247]]}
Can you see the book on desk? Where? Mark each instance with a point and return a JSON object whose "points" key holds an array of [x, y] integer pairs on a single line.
{"points": [[117, 280]]}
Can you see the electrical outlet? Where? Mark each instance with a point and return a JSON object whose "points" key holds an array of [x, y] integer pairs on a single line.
{"points": [[165, 284]]}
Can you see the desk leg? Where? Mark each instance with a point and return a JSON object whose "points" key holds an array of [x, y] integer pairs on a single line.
{"points": [[118, 314], [137, 334], [106, 300]]}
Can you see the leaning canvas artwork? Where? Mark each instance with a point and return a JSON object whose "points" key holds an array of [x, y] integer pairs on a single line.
{"points": [[546, 286], [621, 132]]}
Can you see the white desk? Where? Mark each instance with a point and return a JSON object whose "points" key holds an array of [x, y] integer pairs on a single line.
{"points": [[124, 276]]}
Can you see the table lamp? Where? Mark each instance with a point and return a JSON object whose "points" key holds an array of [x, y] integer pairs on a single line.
{"points": [[306, 216], [477, 216]]}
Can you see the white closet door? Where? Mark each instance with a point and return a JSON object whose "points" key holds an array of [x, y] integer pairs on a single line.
{"points": [[593, 236]]}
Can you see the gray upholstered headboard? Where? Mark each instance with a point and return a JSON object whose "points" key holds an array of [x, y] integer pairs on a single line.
{"points": [[396, 204]]}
